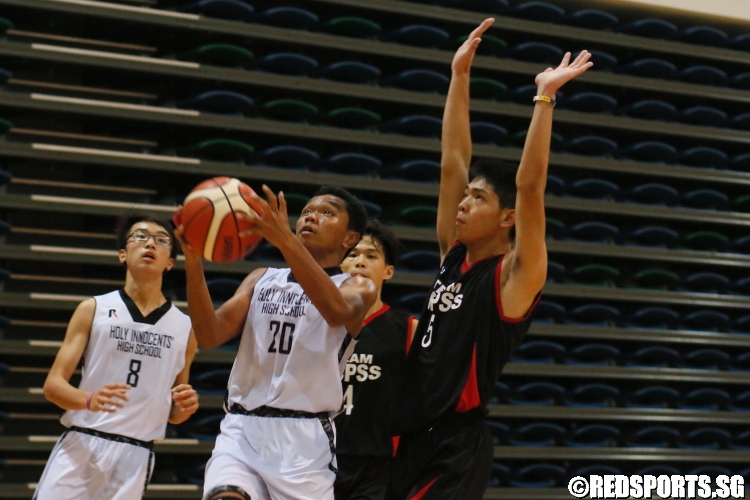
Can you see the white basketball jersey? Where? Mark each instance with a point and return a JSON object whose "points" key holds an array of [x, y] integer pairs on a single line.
{"points": [[289, 357], [147, 353]]}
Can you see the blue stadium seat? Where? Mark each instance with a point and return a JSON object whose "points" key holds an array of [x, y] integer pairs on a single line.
{"points": [[707, 319], [650, 151], [411, 302], [222, 288], [654, 236], [202, 429], [593, 354], [653, 193], [593, 188], [555, 185], [704, 35], [539, 352], [537, 434], [555, 271], [706, 438], [420, 260], [420, 35], [707, 358], [219, 101], [267, 252], [500, 432], [656, 436], [372, 208], [5, 75], [232, 10], [539, 475], [4, 321], [702, 156], [487, 133], [742, 244], [649, 68], [420, 80], [659, 470], [651, 109], [741, 363], [484, 6], [499, 476], [741, 42], [705, 198], [740, 442], [350, 72], [288, 63], [413, 170], [350, 164], [593, 19], [703, 75], [536, 394], [597, 470], [500, 393], [211, 381], [593, 231], [594, 436], [603, 61], [742, 325], [652, 28], [590, 102], [538, 52], [740, 403], [741, 81], [594, 314], [593, 395], [655, 356], [711, 471], [537, 11], [742, 285], [704, 116], [591, 145], [547, 311], [288, 156], [740, 122], [415, 125], [288, 17], [741, 162], [706, 398], [220, 54], [706, 282], [653, 397]]}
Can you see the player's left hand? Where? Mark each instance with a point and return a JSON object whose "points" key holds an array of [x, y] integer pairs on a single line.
{"points": [[185, 398], [550, 81], [273, 223]]}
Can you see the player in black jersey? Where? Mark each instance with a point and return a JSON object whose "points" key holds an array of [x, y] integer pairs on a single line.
{"points": [[480, 304], [364, 446]]}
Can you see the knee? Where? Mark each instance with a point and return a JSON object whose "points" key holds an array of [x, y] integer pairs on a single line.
{"points": [[228, 493]]}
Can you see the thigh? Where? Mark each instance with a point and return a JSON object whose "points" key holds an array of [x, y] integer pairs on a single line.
{"points": [[66, 475], [372, 480], [411, 465], [128, 480], [229, 468]]}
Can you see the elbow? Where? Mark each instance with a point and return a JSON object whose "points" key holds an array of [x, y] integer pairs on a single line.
{"points": [[49, 390]]}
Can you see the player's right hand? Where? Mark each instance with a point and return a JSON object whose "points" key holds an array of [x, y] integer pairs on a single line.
{"points": [[465, 53], [109, 398]]}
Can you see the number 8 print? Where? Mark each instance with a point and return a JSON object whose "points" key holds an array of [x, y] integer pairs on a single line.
{"points": [[135, 367]]}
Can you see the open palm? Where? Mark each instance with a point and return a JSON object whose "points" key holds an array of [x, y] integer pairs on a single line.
{"points": [[552, 79], [465, 53]]}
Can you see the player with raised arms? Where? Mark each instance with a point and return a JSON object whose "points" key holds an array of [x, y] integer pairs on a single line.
{"points": [[277, 439], [137, 349], [480, 305], [372, 376]]}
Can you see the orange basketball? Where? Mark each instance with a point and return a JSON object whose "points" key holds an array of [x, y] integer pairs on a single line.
{"points": [[210, 219]]}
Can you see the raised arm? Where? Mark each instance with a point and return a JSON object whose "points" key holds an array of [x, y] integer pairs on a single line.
{"points": [[345, 306], [57, 388], [528, 269], [456, 140], [214, 327]]}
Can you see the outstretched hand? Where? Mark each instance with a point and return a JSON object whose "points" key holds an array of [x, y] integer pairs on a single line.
{"points": [[550, 81], [465, 53], [179, 233], [273, 222]]}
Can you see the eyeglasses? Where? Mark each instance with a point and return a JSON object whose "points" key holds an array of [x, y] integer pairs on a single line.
{"points": [[141, 237]]}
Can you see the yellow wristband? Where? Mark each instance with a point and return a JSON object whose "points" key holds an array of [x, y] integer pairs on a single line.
{"points": [[544, 98]]}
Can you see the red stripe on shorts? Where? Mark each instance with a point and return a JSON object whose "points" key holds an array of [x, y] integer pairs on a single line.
{"points": [[422, 492]]}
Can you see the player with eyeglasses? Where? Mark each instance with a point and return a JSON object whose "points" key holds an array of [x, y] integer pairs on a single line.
{"points": [[137, 348]]}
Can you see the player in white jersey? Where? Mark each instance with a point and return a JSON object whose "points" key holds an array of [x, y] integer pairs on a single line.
{"points": [[137, 348], [277, 439]]}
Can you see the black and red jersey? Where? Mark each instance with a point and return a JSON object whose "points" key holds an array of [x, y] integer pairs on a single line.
{"points": [[461, 345], [370, 381]]}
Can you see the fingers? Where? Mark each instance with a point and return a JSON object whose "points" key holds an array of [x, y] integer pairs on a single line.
{"points": [[272, 201], [282, 203], [260, 201], [582, 58], [565, 60], [481, 28]]}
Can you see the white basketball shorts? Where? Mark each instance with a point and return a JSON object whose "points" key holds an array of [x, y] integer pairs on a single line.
{"points": [[85, 467], [279, 458]]}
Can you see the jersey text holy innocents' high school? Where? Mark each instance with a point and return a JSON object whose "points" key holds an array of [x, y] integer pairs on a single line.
{"points": [[140, 342]]}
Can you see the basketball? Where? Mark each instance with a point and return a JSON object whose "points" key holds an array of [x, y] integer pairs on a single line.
{"points": [[210, 219]]}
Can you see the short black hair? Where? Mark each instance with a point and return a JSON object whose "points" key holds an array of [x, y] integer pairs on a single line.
{"points": [[124, 223], [355, 209], [385, 238], [501, 176]]}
